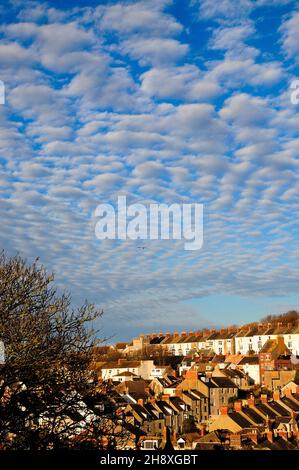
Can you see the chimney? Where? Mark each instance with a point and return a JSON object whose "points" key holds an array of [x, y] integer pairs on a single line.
{"points": [[238, 405], [276, 395], [202, 429], [167, 334], [183, 333], [251, 402], [264, 398], [140, 401], [270, 436], [166, 398], [224, 410]]}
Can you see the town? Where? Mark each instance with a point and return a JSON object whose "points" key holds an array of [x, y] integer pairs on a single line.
{"points": [[233, 388]]}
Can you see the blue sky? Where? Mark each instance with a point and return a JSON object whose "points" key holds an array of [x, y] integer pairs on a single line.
{"points": [[168, 101]]}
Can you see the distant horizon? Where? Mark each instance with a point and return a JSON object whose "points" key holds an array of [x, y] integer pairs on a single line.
{"points": [[208, 327]]}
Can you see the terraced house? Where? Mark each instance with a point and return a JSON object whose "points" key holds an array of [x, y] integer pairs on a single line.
{"points": [[243, 340]]}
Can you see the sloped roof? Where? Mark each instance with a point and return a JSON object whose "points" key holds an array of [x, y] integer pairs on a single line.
{"points": [[123, 365], [278, 408], [253, 415], [250, 360], [157, 340], [223, 382], [278, 444], [213, 436], [276, 347], [265, 410], [290, 403], [198, 394], [240, 420]]}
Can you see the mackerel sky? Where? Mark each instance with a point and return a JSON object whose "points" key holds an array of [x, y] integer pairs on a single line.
{"points": [[161, 101]]}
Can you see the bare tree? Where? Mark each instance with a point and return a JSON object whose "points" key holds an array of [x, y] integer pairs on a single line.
{"points": [[50, 397]]}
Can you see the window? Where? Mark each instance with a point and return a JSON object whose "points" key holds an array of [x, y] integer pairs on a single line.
{"points": [[150, 444], [181, 444], [220, 350]]}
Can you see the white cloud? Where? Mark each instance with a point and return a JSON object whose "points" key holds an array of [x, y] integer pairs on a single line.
{"points": [[226, 9], [97, 106], [185, 82], [290, 36], [138, 17], [156, 51]]}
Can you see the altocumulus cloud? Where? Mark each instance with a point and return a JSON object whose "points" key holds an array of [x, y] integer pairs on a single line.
{"points": [[134, 98]]}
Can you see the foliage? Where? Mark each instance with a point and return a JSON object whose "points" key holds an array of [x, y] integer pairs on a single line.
{"points": [[49, 395]]}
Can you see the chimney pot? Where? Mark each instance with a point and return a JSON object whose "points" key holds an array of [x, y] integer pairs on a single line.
{"points": [[276, 395], [264, 398], [251, 402], [224, 410], [238, 405]]}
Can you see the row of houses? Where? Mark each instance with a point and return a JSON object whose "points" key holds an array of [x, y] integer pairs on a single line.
{"points": [[243, 340], [207, 404]]}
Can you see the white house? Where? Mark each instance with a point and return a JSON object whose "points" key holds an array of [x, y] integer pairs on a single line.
{"points": [[250, 365], [143, 369]]}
